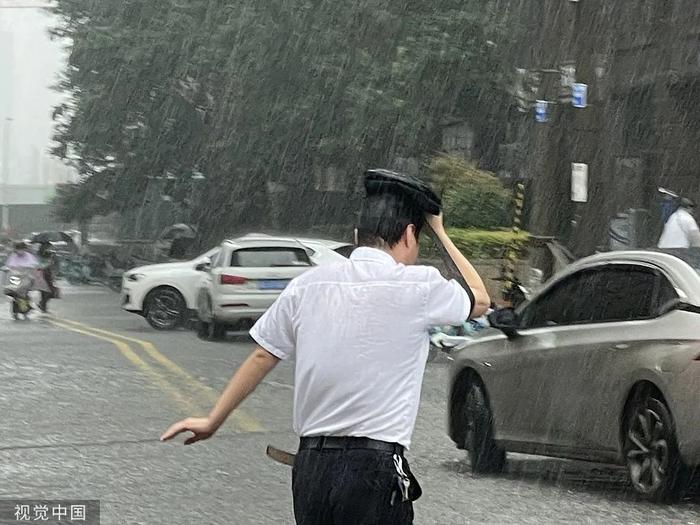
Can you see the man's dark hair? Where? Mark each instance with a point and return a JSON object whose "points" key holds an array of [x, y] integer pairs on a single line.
{"points": [[385, 217]]}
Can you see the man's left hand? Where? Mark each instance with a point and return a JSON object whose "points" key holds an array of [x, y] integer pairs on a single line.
{"points": [[201, 428]]}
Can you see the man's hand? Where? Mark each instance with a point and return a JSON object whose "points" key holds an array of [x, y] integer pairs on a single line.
{"points": [[435, 222], [201, 428], [243, 382]]}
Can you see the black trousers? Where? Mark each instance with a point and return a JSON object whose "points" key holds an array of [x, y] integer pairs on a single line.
{"points": [[45, 298], [347, 487]]}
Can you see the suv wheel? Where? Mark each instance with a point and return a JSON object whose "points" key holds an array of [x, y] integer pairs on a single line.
{"points": [[210, 331], [164, 308], [485, 455]]}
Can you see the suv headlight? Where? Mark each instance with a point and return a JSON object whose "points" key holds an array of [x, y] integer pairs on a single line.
{"points": [[133, 277]]}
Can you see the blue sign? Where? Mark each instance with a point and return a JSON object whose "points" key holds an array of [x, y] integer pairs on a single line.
{"points": [[579, 95], [541, 111]]}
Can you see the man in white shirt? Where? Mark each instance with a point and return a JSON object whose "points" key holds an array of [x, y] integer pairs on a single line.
{"points": [[681, 230], [359, 334]]}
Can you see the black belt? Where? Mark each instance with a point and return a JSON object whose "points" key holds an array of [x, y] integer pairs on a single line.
{"points": [[339, 443]]}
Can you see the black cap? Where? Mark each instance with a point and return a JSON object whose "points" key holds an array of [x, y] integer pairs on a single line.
{"points": [[379, 181]]}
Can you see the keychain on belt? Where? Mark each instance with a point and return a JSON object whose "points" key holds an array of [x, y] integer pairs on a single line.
{"points": [[403, 480]]}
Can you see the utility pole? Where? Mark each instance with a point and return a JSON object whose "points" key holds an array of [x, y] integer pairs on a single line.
{"points": [[550, 196], [570, 134], [590, 219]]}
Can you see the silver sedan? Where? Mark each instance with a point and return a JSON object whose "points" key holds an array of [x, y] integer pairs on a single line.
{"points": [[603, 364]]}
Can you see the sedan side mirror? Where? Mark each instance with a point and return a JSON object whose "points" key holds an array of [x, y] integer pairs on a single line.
{"points": [[204, 266], [504, 320]]}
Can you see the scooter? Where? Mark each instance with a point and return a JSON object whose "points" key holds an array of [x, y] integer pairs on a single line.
{"points": [[17, 286], [92, 270]]}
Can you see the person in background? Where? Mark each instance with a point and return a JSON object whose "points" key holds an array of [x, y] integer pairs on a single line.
{"points": [[21, 257], [681, 230], [23, 260], [47, 270]]}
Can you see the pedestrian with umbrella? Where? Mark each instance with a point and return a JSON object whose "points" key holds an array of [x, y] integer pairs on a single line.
{"points": [[359, 331]]}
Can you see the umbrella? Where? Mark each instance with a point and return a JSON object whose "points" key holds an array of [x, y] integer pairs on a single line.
{"points": [[43, 237], [179, 231]]}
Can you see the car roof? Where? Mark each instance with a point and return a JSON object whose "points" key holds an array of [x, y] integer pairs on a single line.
{"points": [[323, 242], [262, 242], [265, 238], [682, 266]]}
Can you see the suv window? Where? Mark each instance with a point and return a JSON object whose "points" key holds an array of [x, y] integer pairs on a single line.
{"points": [[269, 257], [346, 251], [217, 258]]}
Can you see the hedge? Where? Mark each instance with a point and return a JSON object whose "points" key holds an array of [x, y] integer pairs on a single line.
{"points": [[472, 198], [480, 244]]}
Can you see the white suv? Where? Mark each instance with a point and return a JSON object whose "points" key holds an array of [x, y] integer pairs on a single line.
{"points": [[244, 279], [165, 294]]}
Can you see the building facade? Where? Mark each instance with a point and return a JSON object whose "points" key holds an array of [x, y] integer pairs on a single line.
{"points": [[640, 60]]}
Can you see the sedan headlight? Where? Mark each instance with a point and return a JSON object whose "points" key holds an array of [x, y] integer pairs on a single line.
{"points": [[133, 277]]}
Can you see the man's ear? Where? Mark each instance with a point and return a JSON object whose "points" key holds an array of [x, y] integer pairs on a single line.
{"points": [[410, 230]]}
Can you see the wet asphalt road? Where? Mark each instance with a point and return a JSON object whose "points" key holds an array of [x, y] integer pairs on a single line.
{"points": [[84, 397]]}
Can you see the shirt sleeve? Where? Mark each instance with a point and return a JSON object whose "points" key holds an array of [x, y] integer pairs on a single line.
{"points": [[275, 331], [448, 303], [688, 223]]}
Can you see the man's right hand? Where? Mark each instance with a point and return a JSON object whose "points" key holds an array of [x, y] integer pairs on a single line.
{"points": [[435, 222], [201, 428]]}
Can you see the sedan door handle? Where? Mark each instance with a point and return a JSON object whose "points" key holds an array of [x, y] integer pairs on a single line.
{"points": [[621, 346]]}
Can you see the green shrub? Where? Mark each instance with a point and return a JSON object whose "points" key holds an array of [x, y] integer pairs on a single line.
{"points": [[479, 244], [472, 198]]}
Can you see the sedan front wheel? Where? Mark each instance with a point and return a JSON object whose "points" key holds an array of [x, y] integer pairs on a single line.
{"points": [[485, 455]]}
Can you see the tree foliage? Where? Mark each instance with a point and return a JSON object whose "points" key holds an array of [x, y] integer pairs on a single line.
{"points": [[473, 198], [260, 96]]}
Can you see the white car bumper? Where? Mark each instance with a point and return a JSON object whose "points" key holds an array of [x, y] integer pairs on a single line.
{"points": [[237, 307]]}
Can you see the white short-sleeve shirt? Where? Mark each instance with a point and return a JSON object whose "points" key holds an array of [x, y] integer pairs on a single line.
{"points": [[677, 230], [359, 332]]}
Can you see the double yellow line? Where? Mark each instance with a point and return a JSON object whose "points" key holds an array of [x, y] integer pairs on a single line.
{"points": [[169, 377]]}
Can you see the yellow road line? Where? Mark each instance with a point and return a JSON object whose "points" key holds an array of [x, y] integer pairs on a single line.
{"points": [[239, 417], [134, 358]]}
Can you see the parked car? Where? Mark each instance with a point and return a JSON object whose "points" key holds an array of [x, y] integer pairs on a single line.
{"points": [[244, 279], [327, 252], [602, 364], [165, 294]]}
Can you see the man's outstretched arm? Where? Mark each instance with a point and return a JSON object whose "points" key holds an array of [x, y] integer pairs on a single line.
{"points": [[241, 385]]}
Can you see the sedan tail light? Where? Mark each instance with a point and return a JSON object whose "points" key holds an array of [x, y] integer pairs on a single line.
{"points": [[232, 279]]}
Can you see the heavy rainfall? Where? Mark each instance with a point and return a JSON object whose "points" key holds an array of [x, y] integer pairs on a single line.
{"points": [[191, 188]]}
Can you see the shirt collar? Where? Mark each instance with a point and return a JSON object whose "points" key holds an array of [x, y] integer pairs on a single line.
{"points": [[365, 253]]}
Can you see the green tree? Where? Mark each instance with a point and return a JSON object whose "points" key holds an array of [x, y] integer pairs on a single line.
{"points": [[255, 94], [473, 198]]}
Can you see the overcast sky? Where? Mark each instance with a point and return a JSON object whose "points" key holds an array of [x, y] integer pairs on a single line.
{"points": [[29, 64]]}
